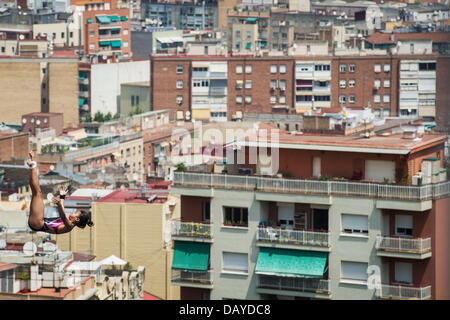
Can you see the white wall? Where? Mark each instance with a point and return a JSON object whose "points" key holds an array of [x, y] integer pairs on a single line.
{"points": [[107, 78]]}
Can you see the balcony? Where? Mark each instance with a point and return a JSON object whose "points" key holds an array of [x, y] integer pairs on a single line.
{"points": [[83, 94], [83, 81], [401, 292], [403, 247], [192, 231], [296, 239], [385, 192], [300, 287], [194, 279]]}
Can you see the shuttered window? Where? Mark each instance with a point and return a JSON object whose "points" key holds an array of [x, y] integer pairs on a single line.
{"points": [[355, 224]]}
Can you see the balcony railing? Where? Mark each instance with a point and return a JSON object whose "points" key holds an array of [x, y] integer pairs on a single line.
{"points": [[107, 148], [300, 237], [282, 185], [198, 277], [294, 284], [191, 229], [418, 246], [404, 292]]}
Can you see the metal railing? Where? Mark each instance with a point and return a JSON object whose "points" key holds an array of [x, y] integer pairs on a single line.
{"points": [[286, 236], [191, 229], [192, 276], [330, 187], [294, 284], [398, 244], [404, 292], [70, 155]]}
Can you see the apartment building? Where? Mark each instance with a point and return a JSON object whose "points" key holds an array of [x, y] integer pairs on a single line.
{"points": [[316, 230], [132, 155], [50, 83], [248, 31], [186, 15], [106, 28], [42, 121]]}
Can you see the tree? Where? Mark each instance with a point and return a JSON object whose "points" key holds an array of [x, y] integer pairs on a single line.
{"points": [[108, 117], [128, 267], [181, 167], [99, 117]]}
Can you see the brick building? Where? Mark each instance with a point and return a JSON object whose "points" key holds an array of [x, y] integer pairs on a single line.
{"points": [[298, 83], [106, 28], [43, 120], [14, 146]]}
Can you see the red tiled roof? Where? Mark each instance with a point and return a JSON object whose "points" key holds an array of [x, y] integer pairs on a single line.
{"points": [[382, 38], [6, 266], [64, 54], [148, 296], [127, 196]]}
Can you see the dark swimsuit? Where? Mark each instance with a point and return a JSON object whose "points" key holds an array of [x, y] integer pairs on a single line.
{"points": [[49, 224]]}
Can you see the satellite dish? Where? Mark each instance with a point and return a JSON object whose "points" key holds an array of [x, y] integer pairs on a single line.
{"points": [[49, 247], [105, 57], [52, 167], [2, 244], [24, 120], [29, 248], [21, 37], [49, 197]]}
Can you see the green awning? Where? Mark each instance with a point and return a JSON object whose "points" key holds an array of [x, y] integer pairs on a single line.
{"points": [[238, 43], [263, 44], [103, 19], [114, 18], [251, 19], [104, 43], [89, 21], [190, 256], [81, 101], [248, 45], [123, 18], [291, 263], [115, 29], [116, 43]]}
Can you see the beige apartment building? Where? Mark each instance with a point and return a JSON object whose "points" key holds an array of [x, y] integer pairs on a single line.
{"points": [[134, 230], [132, 155], [46, 85]]}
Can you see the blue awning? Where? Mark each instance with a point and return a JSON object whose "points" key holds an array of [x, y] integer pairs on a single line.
{"points": [[116, 43]]}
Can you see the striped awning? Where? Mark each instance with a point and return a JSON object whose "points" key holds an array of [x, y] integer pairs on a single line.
{"points": [[103, 19]]}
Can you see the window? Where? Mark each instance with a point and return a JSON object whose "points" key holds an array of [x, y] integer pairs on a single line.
{"points": [[132, 101], [238, 99], [125, 44], [249, 34], [179, 99], [235, 262], [343, 68], [275, 35], [282, 68], [403, 272], [376, 98], [71, 34], [206, 211], [377, 67], [403, 225], [282, 99], [248, 68], [179, 68], [238, 34], [354, 271], [91, 33], [355, 224], [238, 84], [235, 216], [283, 85], [179, 84], [125, 32], [91, 46], [44, 70], [377, 83], [386, 83], [239, 69], [273, 99], [322, 67], [342, 84], [248, 84], [3, 49], [387, 98], [273, 84], [387, 67], [351, 98], [351, 83], [248, 99], [62, 35], [427, 66], [342, 98], [44, 101], [273, 68], [352, 68]]}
